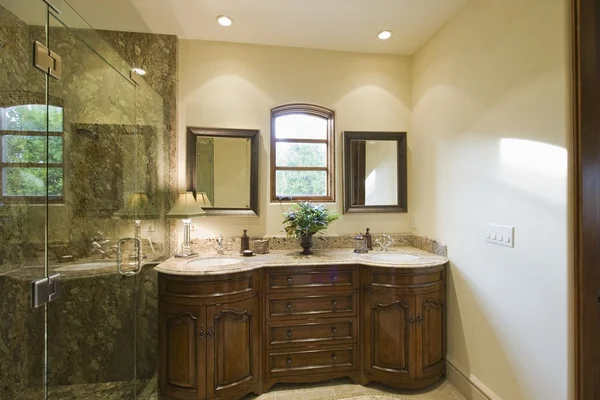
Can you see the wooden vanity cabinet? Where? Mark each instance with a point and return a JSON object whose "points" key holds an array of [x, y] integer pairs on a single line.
{"points": [[209, 336], [403, 326], [224, 336]]}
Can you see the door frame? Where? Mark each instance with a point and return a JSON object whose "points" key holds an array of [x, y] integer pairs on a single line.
{"points": [[585, 53]]}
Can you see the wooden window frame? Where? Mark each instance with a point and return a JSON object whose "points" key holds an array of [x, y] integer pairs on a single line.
{"points": [[313, 110]]}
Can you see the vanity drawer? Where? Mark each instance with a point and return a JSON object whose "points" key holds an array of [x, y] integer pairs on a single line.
{"points": [[313, 277], [307, 361], [394, 278], [332, 305], [316, 332], [209, 286]]}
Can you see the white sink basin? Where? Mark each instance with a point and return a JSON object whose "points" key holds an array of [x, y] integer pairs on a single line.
{"points": [[213, 262], [394, 257], [86, 266]]}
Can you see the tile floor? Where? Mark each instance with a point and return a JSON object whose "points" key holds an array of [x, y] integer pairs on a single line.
{"points": [[337, 389], [443, 390]]}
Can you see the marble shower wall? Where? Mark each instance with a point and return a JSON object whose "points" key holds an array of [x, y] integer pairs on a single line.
{"points": [[158, 55], [94, 317], [99, 173]]}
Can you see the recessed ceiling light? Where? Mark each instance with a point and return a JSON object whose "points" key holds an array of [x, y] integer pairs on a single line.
{"points": [[384, 35], [224, 20], [139, 71]]}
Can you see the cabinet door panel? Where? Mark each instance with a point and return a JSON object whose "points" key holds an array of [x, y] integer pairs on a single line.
{"points": [[389, 328], [233, 352], [431, 320], [183, 351]]}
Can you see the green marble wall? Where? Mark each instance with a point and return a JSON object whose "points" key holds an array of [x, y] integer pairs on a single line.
{"points": [[97, 320]]}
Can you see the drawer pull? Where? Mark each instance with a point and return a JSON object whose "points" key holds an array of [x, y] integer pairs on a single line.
{"points": [[289, 362], [335, 279], [333, 357], [333, 330], [289, 334], [289, 281], [289, 306], [333, 303]]}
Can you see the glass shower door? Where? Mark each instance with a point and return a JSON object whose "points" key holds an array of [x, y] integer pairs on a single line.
{"points": [[25, 192], [91, 235]]}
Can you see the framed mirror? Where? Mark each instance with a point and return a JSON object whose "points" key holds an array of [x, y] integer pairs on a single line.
{"points": [[375, 165], [223, 163]]}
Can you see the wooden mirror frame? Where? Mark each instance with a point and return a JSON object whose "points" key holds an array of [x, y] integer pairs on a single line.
{"points": [[400, 138], [191, 172]]}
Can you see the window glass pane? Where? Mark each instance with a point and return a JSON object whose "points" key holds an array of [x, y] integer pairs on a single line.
{"points": [[32, 181], [300, 126], [32, 117], [31, 149], [301, 155], [301, 183]]}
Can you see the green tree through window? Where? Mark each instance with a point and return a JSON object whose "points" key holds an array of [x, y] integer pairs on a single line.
{"points": [[30, 156]]}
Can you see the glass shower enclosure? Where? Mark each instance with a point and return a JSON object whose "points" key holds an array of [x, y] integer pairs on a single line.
{"points": [[83, 192]]}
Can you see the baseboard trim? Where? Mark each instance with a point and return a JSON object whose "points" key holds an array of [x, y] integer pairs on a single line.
{"points": [[471, 387]]}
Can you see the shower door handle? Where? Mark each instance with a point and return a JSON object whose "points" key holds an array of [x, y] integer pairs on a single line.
{"points": [[138, 253]]}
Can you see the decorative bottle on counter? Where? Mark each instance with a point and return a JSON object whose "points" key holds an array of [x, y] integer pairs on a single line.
{"points": [[369, 240], [245, 242]]}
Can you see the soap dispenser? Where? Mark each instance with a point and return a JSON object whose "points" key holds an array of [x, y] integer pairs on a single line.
{"points": [[245, 242], [369, 240]]}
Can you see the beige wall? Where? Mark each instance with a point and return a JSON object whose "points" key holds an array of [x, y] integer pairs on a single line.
{"points": [[235, 86], [491, 134]]}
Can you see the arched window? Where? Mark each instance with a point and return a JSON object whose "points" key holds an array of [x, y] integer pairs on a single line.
{"points": [[31, 159], [302, 153]]}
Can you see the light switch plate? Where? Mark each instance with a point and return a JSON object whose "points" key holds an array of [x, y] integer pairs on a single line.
{"points": [[500, 235]]}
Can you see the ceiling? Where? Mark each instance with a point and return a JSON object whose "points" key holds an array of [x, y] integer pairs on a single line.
{"points": [[346, 25]]}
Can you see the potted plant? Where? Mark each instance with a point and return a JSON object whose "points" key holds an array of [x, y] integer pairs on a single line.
{"points": [[306, 218]]}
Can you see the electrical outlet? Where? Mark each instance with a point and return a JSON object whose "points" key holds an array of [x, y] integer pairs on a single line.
{"points": [[500, 235], [151, 226]]}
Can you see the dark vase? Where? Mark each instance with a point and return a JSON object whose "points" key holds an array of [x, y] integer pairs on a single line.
{"points": [[306, 244]]}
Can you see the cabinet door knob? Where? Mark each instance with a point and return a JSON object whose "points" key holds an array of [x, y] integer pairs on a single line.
{"points": [[289, 281], [289, 333], [333, 330], [411, 319], [202, 332], [289, 306], [419, 318], [210, 332]]}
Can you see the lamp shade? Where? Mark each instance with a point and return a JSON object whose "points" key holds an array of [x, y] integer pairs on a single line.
{"points": [[203, 200], [186, 207], [138, 207]]}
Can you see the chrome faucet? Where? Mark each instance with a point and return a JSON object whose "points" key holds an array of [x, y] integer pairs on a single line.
{"points": [[385, 241], [221, 246], [99, 245]]}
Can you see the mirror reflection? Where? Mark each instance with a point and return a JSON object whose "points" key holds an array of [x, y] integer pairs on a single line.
{"points": [[223, 171], [223, 163], [375, 172]]}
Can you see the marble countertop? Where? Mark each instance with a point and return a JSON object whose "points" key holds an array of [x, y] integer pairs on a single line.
{"points": [[279, 258]]}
